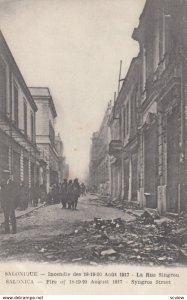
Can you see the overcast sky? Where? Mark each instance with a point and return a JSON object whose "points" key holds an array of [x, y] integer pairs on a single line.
{"points": [[74, 47]]}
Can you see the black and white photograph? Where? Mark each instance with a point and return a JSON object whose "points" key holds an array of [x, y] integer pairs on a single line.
{"points": [[93, 143]]}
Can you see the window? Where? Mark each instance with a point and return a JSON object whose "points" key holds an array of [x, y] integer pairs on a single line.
{"points": [[2, 87], [25, 117], [143, 69], [127, 119], [124, 122], [16, 105], [32, 127], [170, 40], [133, 110]]}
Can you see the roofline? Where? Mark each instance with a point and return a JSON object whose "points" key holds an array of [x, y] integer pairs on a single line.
{"points": [[105, 118], [133, 61], [44, 96], [13, 62], [147, 6]]}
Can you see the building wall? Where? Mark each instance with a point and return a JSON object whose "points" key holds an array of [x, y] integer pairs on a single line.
{"points": [[99, 158], [18, 143], [148, 121], [13, 80], [162, 50], [124, 122], [42, 120]]}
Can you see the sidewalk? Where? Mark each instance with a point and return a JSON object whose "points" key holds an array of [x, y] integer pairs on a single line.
{"points": [[21, 213]]}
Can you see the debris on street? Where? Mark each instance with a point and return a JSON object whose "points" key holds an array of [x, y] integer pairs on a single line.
{"points": [[148, 239]]}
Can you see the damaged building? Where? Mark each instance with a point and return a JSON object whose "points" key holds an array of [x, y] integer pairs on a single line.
{"points": [[148, 120]]}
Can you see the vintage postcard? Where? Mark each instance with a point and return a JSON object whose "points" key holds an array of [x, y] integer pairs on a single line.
{"points": [[93, 147]]}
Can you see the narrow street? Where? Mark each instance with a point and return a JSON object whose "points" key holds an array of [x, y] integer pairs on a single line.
{"points": [[43, 225], [96, 234]]}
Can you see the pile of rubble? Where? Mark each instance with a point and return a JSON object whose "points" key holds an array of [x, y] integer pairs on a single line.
{"points": [[148, 240], [145, 239]]}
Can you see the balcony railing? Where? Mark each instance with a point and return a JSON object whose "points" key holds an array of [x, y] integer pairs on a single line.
{"points": [[115, 147]]}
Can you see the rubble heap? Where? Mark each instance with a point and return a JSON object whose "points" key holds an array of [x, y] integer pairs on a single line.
{"points": [[145, 239], [148, 240]]}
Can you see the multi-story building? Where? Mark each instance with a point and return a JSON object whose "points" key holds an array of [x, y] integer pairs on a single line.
{"points": [[123, 147], [45, 133], [115, 150], [99, 157], [163, 52], [93, 176], [18, 152], [60, 149], [148, 122]]}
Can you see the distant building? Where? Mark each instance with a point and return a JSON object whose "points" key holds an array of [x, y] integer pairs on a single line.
{"points": [[99, 177], [45, 132], [18, 152], [60, 149], [93, 175]]}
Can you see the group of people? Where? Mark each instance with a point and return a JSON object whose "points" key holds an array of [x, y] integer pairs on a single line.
{"points": [[13, 196], [67, 193], [32, 195]]}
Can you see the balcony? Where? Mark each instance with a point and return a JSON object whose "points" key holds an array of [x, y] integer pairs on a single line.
{"points": [[7, 125], [115, 147]]}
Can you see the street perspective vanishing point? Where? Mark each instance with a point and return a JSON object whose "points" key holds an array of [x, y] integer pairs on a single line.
{"points": [[93, 136]]}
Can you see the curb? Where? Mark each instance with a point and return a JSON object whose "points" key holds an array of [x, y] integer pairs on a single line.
{"points": [[27, 213], [30, 211]]}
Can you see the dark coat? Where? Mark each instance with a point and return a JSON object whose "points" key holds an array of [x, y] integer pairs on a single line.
{"points": [[76, 190], [64, 190], [9, 196], [23, 197], [70, 193]]}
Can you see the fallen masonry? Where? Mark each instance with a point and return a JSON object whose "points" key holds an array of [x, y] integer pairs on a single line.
{"points": [[143, 240]]}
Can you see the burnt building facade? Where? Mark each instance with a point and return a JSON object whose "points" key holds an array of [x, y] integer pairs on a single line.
{"points": [[162, 171], [123, 147], [99, 176], [148, 122]]}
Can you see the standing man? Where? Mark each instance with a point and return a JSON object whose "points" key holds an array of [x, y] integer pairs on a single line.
{"points": [[8, 196], [76, 193], [70, 194], [36, 194], [64, 190], [83, 190], [43, 193]]}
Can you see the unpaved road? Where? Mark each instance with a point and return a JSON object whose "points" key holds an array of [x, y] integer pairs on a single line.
{"points": [[44, 226]]}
